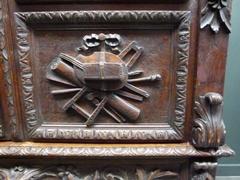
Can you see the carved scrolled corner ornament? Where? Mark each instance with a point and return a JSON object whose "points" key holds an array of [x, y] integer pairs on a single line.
{"points": [[208, 127], [204, 170], [215, 14], [101, 74], [72, 172]]}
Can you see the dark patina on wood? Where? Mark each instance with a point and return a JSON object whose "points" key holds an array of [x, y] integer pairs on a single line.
{"points": [[102, 90], [172, 130]]}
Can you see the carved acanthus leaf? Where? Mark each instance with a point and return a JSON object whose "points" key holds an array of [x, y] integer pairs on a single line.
{"points": [[153, 175], [214, 14], [208, 128]]}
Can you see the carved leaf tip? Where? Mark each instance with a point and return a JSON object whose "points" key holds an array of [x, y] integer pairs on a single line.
{"points": [[214, 98], [214, 14]]}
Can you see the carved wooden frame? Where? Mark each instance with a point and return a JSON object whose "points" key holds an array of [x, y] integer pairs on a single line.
{"points": [[36, 130]]}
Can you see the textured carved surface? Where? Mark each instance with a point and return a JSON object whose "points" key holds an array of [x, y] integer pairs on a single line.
{"points": [[1, 131], [73, 173], [182, 18], [114, 151], [23, 51], [101, 77], [208, 128], [6, 69], [76, 17], [216, 13], [101, 133], [204, 170], [2, 50], [2, 40]]}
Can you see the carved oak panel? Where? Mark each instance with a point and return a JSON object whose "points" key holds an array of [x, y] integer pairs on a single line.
{"points": [[35, 53], [132, 92]]}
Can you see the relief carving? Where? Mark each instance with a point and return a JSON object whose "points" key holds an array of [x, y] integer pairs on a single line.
{"points": [[74, 173], [116, 151], [2, 53], [204, 170], [214, 14], [27, 21], [4, 56], [208, 126], [103, 76]]}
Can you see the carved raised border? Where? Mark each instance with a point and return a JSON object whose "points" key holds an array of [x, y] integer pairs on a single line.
{"points": [[26, 20], [113, 150]]}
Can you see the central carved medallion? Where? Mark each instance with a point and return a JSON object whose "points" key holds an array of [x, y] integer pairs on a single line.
{"points": [[102, 74]]}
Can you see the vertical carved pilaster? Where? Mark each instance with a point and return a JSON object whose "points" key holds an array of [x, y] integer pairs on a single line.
{"points": [[208, 127], [5, 65], [215, 14], [2, 54], [204, 170]]}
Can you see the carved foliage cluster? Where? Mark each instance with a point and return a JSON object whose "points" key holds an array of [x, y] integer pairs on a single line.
{"points": [[214, 14], [208, 127], [204, 170], [70, 173], [24, 19]]}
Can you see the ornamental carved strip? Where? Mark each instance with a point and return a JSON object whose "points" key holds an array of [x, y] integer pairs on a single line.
{"points": [[23, 51], [26, 19], [120, 151], [6, 69], [68, 172], [105, 134]]}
